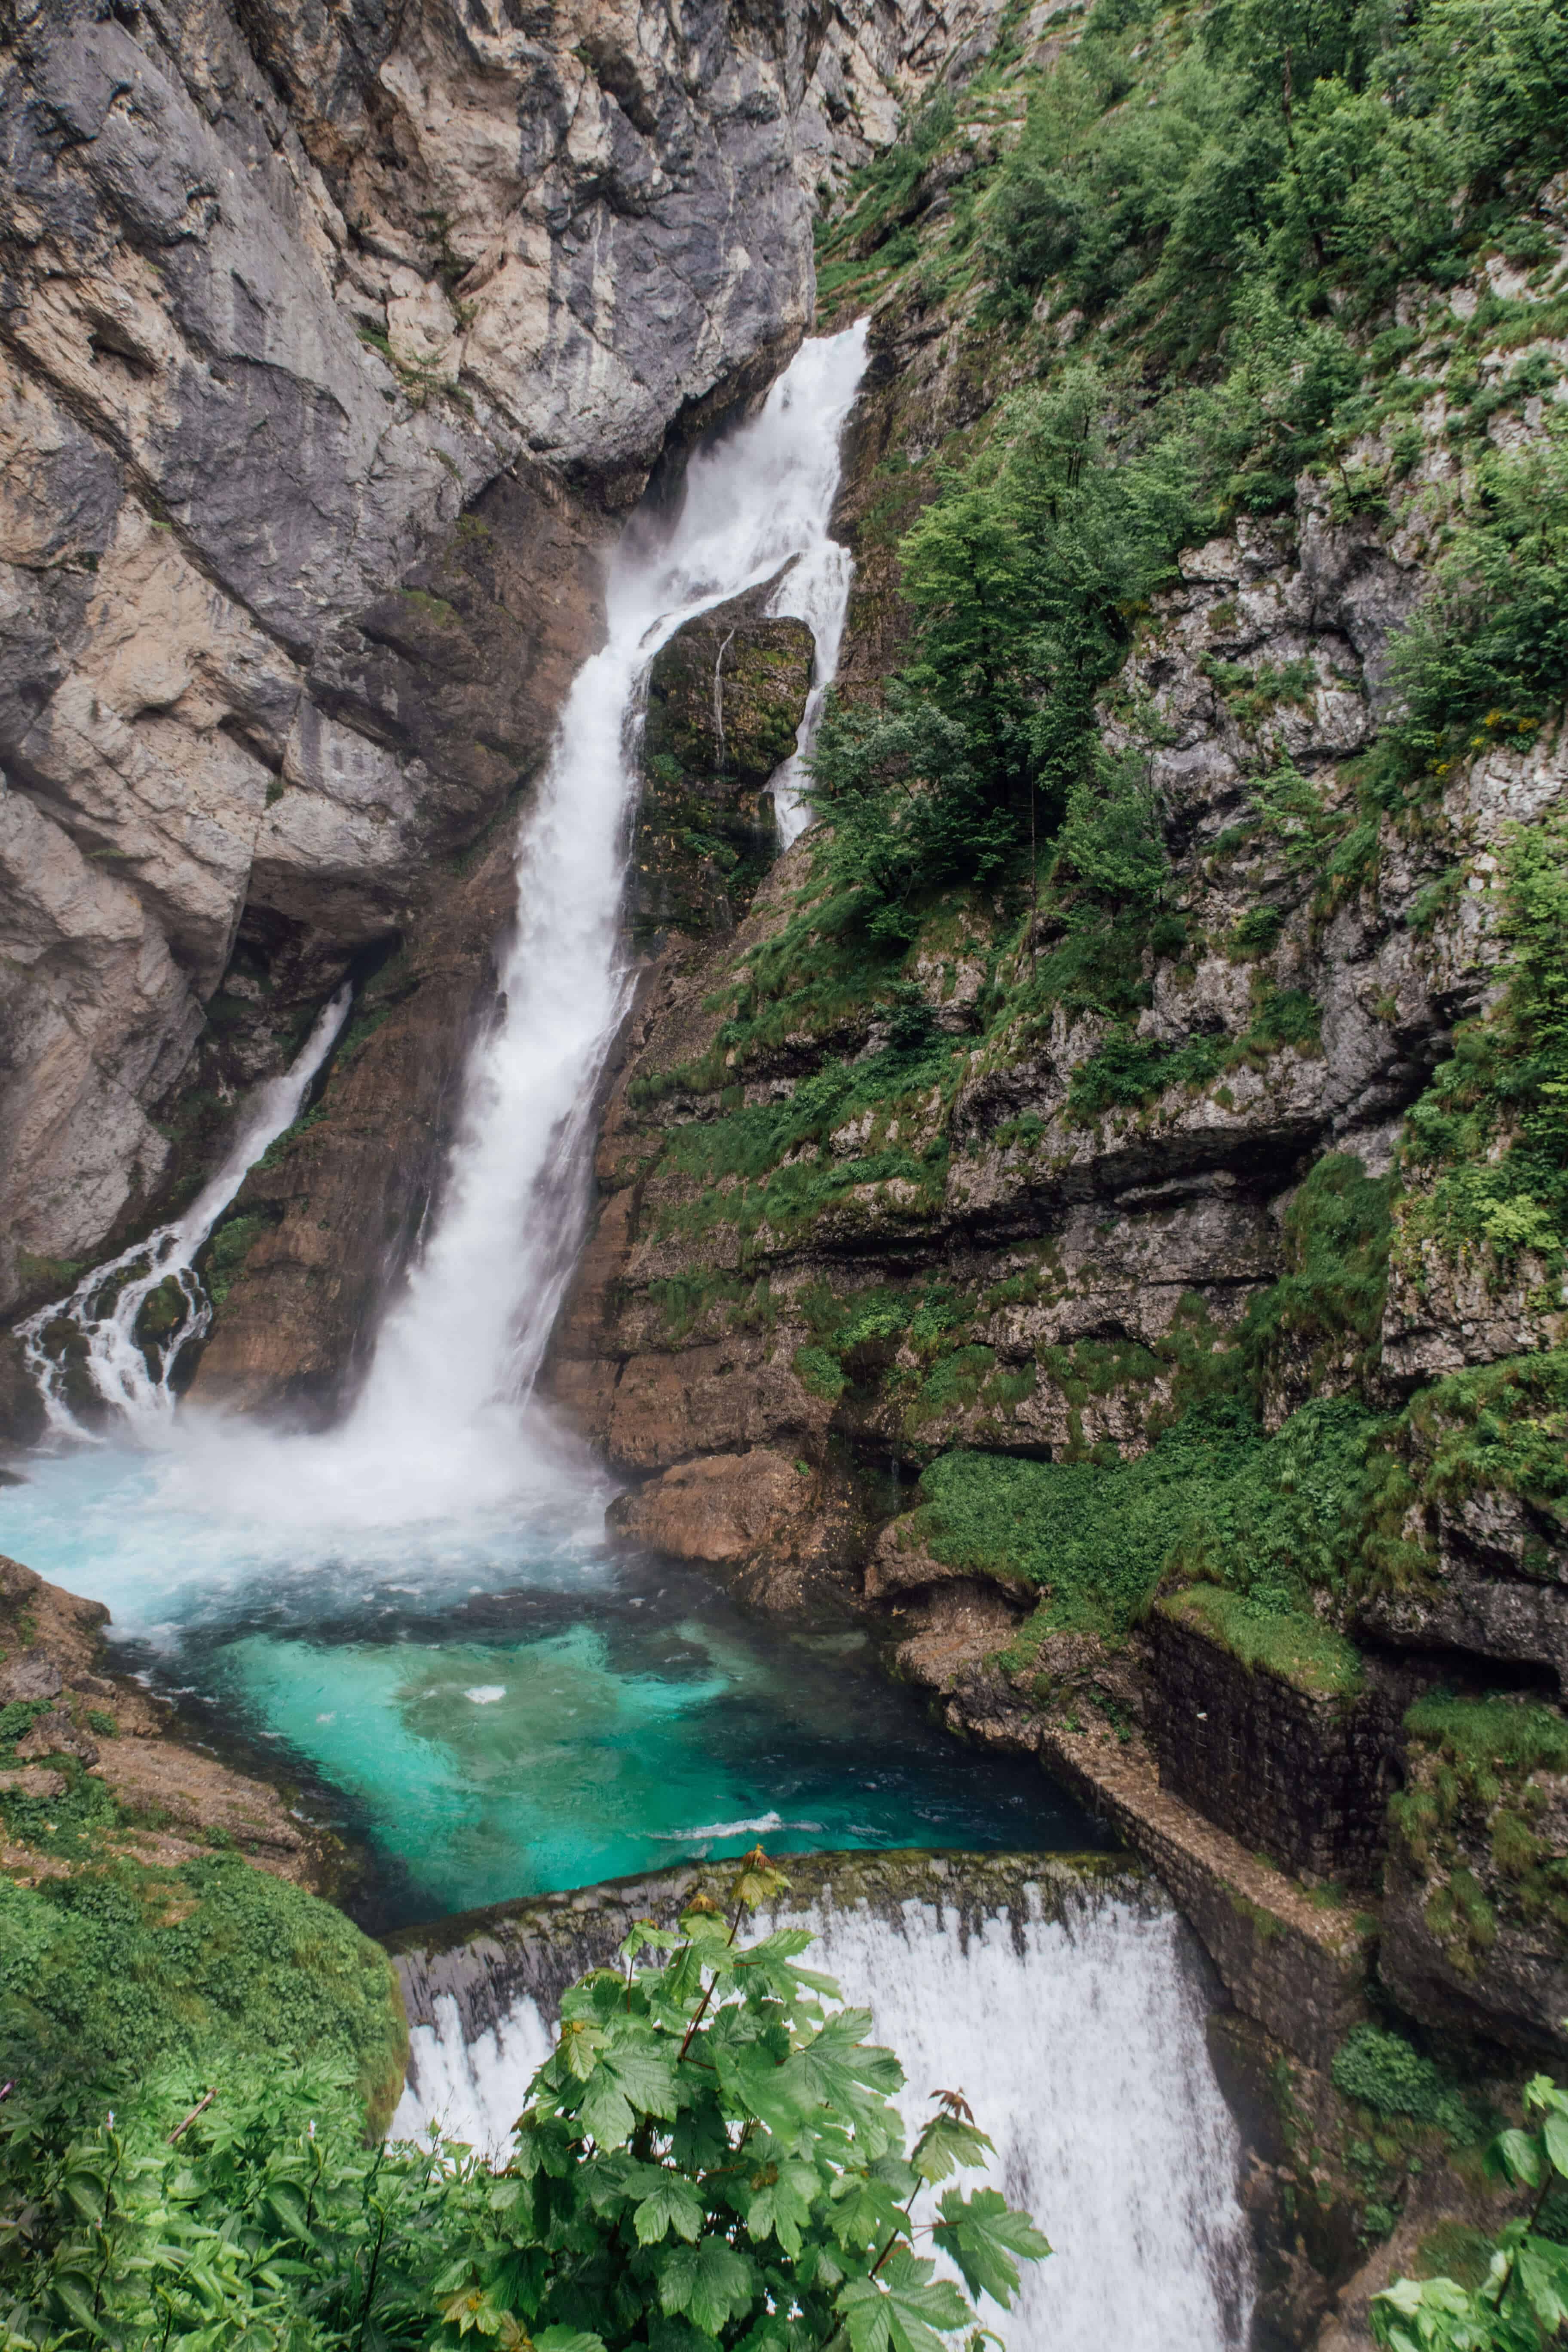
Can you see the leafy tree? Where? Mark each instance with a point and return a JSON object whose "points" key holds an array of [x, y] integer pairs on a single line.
{"points": [[1024, 576], [909, 807], [1523, 2303], [1489, 650]]}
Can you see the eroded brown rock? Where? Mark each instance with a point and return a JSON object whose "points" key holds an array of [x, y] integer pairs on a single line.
{"points": [[177, 1801]]}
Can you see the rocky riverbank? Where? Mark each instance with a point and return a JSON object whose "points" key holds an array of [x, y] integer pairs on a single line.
{"points": [[92, 1771]]}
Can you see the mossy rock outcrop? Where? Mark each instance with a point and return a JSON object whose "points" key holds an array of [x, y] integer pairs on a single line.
{"points": [[725, 698], [1476, 1886]]}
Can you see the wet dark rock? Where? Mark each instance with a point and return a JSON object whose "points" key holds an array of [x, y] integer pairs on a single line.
{"points": [[725, 698]]}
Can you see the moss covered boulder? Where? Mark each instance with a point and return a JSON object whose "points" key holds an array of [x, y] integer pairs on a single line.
{"points": [[110, 1976], [725, 698]]}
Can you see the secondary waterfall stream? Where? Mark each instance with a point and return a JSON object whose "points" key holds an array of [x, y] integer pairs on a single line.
{"points": [[418, 1608], [108, 1305]]}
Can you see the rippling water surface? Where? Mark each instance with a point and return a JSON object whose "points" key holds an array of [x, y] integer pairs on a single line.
{"points": [[501, 1706]]}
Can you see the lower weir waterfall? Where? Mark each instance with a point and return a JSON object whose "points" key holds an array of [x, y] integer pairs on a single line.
{"points": [[1070, 2009], [419, 1611]]}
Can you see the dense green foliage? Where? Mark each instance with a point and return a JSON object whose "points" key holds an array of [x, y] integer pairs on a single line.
{"points": [[1485, 1159], [1326, 1309], [265, 2224], [1324, 149], [119, 1970], [710, 2159], [1384, 2073], [1215, 1502], [1022, 575], [1522, 2304], [1228, 203]]}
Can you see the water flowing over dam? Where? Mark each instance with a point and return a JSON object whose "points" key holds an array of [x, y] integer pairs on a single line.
{"points": [[1067, 2005]]}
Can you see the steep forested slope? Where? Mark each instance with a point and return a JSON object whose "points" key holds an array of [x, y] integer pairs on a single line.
{"points": [[1137, 1110]]}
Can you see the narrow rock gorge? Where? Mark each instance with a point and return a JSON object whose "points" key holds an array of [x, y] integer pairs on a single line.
{"points": [[933, 634]]}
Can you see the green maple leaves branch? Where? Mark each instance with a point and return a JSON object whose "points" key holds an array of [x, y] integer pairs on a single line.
{"points": [[710, 2157], [1521, 2306]]}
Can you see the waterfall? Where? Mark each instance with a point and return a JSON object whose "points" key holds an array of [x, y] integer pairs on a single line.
{"points": [[107, 1304], [1074, 2027], [436, 1431], [466, 1340], [817, 395]]}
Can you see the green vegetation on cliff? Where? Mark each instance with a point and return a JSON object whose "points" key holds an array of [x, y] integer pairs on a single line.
{"points": [[1260, 1522], [1486, 1156], [1474, 1806], [1223, 208], [121, 1972]]}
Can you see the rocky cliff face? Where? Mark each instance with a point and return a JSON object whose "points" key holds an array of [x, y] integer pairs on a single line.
{"points": [[1062, 1231], [329, 338], [871, 1218], [331, 341]]}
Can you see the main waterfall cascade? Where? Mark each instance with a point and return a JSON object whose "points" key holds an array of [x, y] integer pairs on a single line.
{"points": [[1078, 2041], [469, 1335], [435, 1428], [421, 1606]]}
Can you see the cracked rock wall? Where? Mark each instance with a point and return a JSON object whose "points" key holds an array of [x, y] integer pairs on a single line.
{"points": [[330, 339]]}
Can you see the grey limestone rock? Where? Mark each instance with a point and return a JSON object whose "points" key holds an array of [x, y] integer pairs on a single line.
{"points": [[34, 1675], [284, 294]]}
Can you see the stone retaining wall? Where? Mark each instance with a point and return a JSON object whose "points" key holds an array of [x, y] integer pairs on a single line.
{"points": [[1302, 1779]]}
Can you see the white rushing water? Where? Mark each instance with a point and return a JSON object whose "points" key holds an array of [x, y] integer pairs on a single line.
{"points": [[105, 1305], [1080, 2046], [436, 1434], [819, 394], [468, 1339]]}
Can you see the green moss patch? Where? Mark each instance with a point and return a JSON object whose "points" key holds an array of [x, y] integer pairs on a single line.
{"points": [[1501, 1428], [1486, 1157], [120, 1970], [1093, 1537], [1468, 1817], [1264, 1524], [1294, 1648]]}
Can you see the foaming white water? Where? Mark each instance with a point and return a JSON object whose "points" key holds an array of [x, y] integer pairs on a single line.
{"points": [[443, 1430], [105, 1304], [1080, 2046], [474, 2090]]}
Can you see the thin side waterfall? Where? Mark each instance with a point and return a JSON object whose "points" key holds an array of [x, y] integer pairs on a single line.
{"points": [[107, 1305], [815, 590], [1077, 2035]]}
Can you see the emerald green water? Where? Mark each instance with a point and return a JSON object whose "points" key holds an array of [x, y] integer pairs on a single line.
{"points": [[501, 1705]]}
